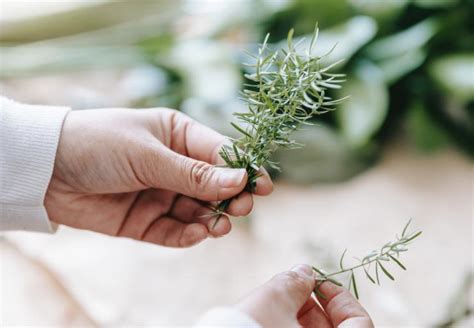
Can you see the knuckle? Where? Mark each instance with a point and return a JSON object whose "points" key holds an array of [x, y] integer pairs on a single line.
{"points": [[200, 172], [159, 115], [174, 115], [162, 110], [294, 283], [287, 286], [199, 176], [294, 279]]}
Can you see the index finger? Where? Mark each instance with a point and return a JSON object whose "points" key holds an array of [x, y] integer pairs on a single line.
{"points": [[342, 308], [193, 139]]}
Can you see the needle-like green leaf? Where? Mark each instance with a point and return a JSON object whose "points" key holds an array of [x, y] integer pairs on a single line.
{"points": [[397, 261], [385, 271], [413, 236], [342, 259], [238, 128], [377, 273], [354, 285], [319, 293], [335, 282], [368, 275], [388, 252], [405, 228], [285, 90]]}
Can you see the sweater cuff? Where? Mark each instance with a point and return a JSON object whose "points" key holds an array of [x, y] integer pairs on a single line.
{"points": [[226, 317], [29, 137]]}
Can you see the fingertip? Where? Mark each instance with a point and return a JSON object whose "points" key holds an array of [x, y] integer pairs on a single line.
{"points": [[341, 305], [241, 205], [330, 290], [231, 182], [193, 234], [304, 270], [331, 287], [278, 301], [294, 286], [231, 178], [264, 185], [220, 229]]}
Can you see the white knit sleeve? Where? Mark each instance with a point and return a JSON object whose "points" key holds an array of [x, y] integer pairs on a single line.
{"points": [[29, 138], [226, 317]]}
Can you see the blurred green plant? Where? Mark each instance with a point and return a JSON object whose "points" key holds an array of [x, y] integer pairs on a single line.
{"points": [[413, 75], [410, 64], [95, 36]]}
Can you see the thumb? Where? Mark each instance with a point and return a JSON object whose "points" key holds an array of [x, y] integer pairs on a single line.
{"points": [[278, 301], [197, 179], [292, 288]]}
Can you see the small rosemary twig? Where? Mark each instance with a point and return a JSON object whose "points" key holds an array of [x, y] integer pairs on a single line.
{"points": [[286, 89], [388, 252]]}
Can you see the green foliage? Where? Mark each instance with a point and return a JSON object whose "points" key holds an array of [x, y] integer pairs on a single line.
{"points": [[425, 134], [455, 75], [286, 89], [422, 48], [301, 15], [371, 264], [360, 118]]}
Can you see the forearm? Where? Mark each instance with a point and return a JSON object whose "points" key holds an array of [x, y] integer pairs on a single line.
{"points": [[29, 138]]}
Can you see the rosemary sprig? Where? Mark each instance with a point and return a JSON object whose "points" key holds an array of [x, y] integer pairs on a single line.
{"points": [[388, 252], [286, 89]]}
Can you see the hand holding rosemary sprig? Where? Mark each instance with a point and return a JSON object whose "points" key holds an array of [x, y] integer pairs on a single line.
{"points": [[285, 91], [389, 252]]}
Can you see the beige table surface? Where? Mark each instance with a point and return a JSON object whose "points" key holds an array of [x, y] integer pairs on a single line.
{"points": [[72, 276]]}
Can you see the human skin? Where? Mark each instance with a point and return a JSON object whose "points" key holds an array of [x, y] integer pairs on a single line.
{"points": [[151, 175], [286, 301], [145, 174]]}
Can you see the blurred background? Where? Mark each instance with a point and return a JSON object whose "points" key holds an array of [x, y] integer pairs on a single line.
{"points": [[400, 148]]}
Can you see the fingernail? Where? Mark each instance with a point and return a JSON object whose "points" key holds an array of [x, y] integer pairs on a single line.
{"points": [[303, 270], [230, 177]]}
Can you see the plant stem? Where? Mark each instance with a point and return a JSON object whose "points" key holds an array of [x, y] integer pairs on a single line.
{"points": [[377, 258], [285, 89], [388, 252]]}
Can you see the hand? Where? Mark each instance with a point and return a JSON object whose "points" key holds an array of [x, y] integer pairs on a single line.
{"points": [[144, 174], [287, 301]]}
